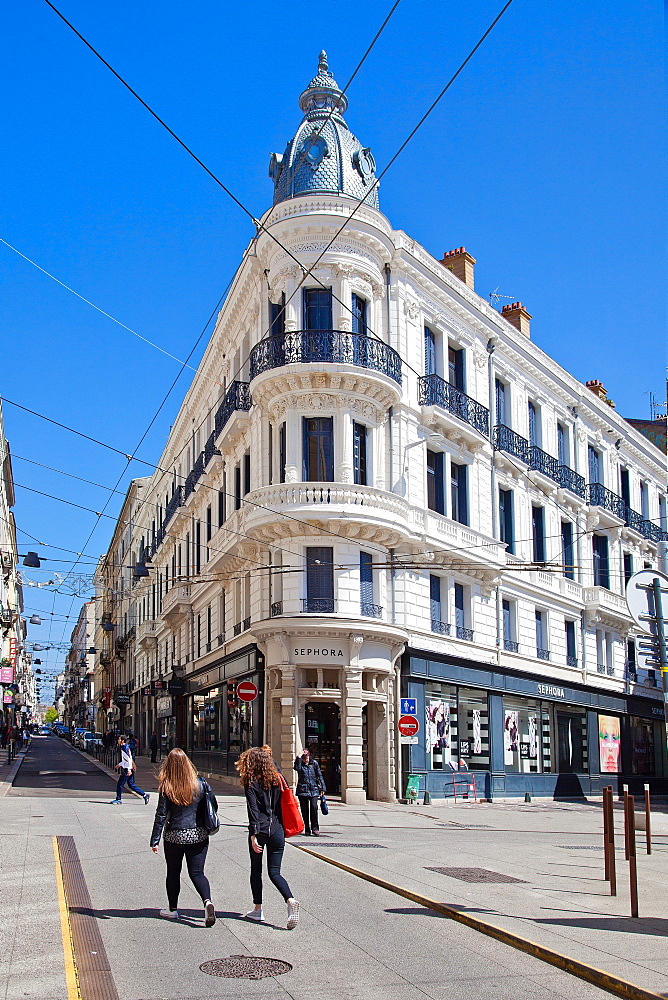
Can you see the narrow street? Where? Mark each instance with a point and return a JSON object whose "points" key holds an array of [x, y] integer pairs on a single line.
{"points": [[355, 941]]}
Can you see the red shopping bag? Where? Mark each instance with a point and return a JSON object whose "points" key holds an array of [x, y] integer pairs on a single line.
{"points": [[291, 816]]}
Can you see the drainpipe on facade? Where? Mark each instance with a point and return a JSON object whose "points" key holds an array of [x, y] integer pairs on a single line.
{"points": [[583, 647], [392, 585], [491, 347], [498, 623]]}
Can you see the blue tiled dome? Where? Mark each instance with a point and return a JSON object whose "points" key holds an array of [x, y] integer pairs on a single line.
{"points": [[324, 156]]}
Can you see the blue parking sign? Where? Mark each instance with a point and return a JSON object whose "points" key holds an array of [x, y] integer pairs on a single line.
{"points": [[409, 706]]}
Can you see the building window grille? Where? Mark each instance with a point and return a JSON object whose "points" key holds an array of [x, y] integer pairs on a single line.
{"points": [[319, 580]]}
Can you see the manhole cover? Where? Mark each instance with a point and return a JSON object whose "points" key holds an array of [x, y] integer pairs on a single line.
{"points": [[245, 967], [339, 844], [475, 875]]}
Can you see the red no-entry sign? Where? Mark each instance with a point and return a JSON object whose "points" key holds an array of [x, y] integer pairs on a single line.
{"points": [[246, 691], [408, 725]]}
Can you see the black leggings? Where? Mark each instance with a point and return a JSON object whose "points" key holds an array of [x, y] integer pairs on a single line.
{"points": [[274, 847], [195, 855]]}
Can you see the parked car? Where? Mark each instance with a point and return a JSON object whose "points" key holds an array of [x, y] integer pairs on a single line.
{"points": [[44, 731], [91, 741], [59, 729], [76, 737]]}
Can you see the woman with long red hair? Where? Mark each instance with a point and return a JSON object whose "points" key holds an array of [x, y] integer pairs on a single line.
{"points": [[262, 784], [179, 815]]}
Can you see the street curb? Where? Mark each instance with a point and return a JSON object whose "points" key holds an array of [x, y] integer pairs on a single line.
{"points": [[597, 977], [9, 780]]}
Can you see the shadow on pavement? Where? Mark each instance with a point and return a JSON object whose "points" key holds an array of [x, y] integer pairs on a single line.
{"points": [[192, 918], [656, 926]]}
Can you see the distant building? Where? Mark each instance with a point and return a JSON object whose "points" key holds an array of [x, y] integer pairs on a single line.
{"points": [[653, 430]]}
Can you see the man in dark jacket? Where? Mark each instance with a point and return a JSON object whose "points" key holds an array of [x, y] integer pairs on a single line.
{"points": [[310, 786]]}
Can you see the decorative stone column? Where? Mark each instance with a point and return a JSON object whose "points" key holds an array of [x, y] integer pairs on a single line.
{"points": [[344, 447], [289, 736], [293, 445], [352, 783]]}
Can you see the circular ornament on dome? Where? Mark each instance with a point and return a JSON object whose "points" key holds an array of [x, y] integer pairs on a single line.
{"points": [[315, 150], [364, 163]]}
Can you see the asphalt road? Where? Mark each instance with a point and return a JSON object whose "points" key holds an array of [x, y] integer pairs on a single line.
{"points": [[53, 767]]}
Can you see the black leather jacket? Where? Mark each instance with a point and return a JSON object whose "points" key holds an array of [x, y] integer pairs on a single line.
{"points": [[175, 817], [264, 809], [310, 780]]}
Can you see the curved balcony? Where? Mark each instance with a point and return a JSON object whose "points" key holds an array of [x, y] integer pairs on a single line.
{"points": [[435, 391], [336, 347]]}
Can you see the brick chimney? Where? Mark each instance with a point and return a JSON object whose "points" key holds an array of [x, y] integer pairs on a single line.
{"points": [[597, 388], [516, 314], [461, 264]]}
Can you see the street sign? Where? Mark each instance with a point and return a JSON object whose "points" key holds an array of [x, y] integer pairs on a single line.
{"points": [[640, 597], [408, 725], [246, 691], [646, 596], [409, 706]]}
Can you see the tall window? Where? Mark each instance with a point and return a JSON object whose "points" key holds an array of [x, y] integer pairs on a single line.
{"points": [[541, 635], [534, 425], [456, 370], [221, 507], [317, 309], [359, 315], [460, 613], [319, 579], [277, 316], [508, 626], [359, 454], [567, 556], [458, 493], [625, 486], [435, 603], [599, 545], [281, 452], [571, 652], [435, 491], [563, 450], [247, 473], [628, 566], [663, 519], [506, 518], [237, 487], [594, 464], [429, 351], [500, 400], [366, 584], [198, 547], [538, 533], [644, 500], [318, 449]]}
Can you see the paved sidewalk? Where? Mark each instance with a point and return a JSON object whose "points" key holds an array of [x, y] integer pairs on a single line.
{"points": [[356, 941]]}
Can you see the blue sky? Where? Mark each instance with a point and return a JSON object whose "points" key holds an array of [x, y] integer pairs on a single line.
{"points": [[545, 159]]}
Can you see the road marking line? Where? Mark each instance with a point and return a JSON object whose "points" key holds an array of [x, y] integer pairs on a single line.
{"points": [[73, 992], [612, 984]]}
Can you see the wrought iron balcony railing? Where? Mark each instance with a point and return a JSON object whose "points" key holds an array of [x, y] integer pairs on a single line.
{"points": [[572, 661], [646, 528], [371, 610], [246, 624], [600, 668], [237, 628], [465, 633], [543, 654], [598, 495], [570, 480], [511, 646], [324, 346], [276, 609], [435, 391], [443, 628], [237, 397], [194, 475], [505, 439], [542, 462], [317, 605]]}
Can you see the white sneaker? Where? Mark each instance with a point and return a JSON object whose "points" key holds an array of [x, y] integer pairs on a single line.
{"points": [[293, 914], [256, 915], [170, 914], [209, 914]]}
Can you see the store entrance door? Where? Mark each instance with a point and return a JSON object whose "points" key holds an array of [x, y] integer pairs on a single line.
{"points": [[323, 738]]}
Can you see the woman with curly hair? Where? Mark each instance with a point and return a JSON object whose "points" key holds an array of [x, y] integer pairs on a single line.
{"points": [[181, 793], [261, 782]]}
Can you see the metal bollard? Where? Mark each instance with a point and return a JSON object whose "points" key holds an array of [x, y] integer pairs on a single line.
{"points": [[606, 835], [626, 825], [610, 845], [648, 827], [633, 871]]}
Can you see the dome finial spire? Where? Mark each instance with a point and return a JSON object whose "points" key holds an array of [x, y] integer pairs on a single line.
{"points": [[322, 63]]}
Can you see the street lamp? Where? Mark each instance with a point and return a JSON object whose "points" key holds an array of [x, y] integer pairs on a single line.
{"points": [[31, 560]]}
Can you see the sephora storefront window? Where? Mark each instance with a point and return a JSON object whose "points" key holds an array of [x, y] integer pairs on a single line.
{"points": [[456, 726]]}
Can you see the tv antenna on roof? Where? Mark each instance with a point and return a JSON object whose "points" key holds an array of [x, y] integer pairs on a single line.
{"points": [[495, 296]]}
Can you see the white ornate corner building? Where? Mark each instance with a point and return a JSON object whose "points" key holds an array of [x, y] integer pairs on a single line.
{"points": [[379, 487]]}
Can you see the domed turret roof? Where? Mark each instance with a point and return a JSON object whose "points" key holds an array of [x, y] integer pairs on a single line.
{"points": [[324, 156]]}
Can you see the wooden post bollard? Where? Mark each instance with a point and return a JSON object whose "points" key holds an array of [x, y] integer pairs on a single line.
{"points": [[648, 827], [626, 824], [610, 845], [633, 871], [606, 834]]}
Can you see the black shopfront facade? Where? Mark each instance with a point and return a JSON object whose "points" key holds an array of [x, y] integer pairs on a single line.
{"points": [[219, 726], [520, 733]]}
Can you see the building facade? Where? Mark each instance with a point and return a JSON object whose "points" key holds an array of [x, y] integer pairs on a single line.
{"points": [[80, 707], [379, 487]]}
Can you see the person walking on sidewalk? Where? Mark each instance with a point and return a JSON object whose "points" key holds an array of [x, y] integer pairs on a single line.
{"points": [[126, 768], [184, 835], [262, 784], [310, 786], [153, 744]]}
